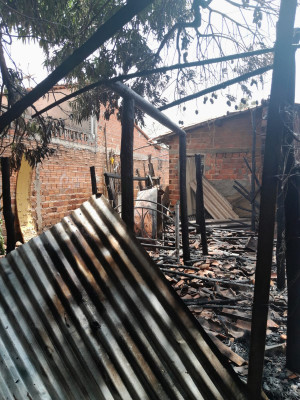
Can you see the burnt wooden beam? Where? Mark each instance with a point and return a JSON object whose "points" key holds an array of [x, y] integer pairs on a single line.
{"points": [[135, 178], [126, 158], [250, 169], [253, 172], [148, 108], [280, 244], [286, 165], [145, 106], [275, 129], [109, 191], [93, 180], [292, 216], [9, 217], [292, 227], [200, 211], [139, 182], [183, 199]]}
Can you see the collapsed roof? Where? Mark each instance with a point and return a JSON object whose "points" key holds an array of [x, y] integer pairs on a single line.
{"points": [[85, 313]]}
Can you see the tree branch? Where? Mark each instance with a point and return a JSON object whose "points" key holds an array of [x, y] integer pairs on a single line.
{"points": [[182, 25], [222, 85], [152, 71], [6, 78], [103, 33]]}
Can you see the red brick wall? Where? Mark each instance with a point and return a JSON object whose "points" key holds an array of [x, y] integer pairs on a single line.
{"points": [[224, 144], [62, 183], [110, 134]]}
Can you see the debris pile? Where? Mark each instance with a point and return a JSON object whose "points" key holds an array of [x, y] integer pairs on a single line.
{"points": [[218, 289]]}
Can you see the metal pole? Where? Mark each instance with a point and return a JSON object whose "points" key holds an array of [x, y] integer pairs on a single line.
{"points": [[275, 128], [126, 157], [200, 212]]}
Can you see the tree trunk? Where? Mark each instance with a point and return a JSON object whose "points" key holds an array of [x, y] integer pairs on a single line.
{"points": [[9, 217]]}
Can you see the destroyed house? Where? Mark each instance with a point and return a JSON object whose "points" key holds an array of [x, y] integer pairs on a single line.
{"points": [[43, 195], [225, 145]]}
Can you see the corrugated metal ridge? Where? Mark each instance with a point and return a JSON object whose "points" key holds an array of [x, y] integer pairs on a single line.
{"points": [[216, 204], [85, 314]]}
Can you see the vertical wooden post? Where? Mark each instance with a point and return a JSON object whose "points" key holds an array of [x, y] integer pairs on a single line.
{"points": [[183, 199], [286, 165], [93, 180], [292, 231], [200, 212], [253, 171], [280, 244], [275, 128], [109, 191], [9, 217], [127, 161], [292, 213]]}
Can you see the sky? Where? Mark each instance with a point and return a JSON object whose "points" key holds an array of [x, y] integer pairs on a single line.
{"points": [[30, 57]]}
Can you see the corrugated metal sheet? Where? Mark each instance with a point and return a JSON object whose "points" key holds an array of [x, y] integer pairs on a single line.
{"points": [[85, 314], [214, 202]]}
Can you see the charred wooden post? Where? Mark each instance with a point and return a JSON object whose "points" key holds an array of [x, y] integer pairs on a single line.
{"points": [[139, 182], [155, 113], [292, 214], [292, 227], [109, 191], [200, 212], [275, 129], [280, 244], [253, 171], [9, 217], [126, 158], [93, 180], [286, 165], [150, 166], [183, 199]]}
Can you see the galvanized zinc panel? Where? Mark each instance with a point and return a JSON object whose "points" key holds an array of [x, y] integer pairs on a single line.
{"points": [[85, 314]]}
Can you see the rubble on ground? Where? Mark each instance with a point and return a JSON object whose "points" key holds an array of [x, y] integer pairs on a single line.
{"points": [[218, 289]]}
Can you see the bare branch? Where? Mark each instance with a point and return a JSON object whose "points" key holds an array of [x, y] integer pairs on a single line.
{"points": [[222, 85], [152, 71]]}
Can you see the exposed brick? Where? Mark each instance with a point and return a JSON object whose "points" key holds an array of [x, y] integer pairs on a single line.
{"points": [[64, 179]]}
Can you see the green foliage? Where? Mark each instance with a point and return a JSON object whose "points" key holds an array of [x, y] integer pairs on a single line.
{"points": [[167, 30]]}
